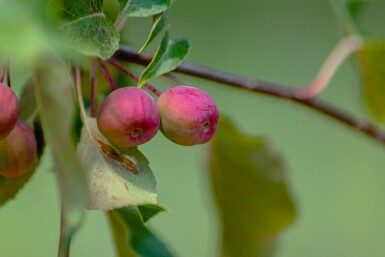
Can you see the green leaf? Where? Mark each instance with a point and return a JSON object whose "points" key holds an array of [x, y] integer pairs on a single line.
{"points": [[354, 7], [90, 31], [143, 8], [371, 60], [132, 238], [169, 55], [248, 181], [115, 179], [150, 210], [9, 187], [158, 24], [27, 103], [54, 98], [121, 236]]}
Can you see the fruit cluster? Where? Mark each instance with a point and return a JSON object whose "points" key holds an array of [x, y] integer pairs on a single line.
{"points": [[186, 115], [17, 140]]}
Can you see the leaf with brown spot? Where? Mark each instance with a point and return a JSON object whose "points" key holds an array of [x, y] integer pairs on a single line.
{"points": [[113, 154], [110, 185]]}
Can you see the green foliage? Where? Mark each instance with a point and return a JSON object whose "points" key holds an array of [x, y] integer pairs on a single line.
{"points": [[55, 102], [371, 60], [9, 187], [132, 238], [27, 103], [143, 8], [158, 23], [354, 7], [150, 210], [25, 31], [114, 180], [249, 187], [90, 31], [168, 56]]}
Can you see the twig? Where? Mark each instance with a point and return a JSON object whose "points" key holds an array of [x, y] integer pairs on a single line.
{"points": [[262, 87], [125, 71]]}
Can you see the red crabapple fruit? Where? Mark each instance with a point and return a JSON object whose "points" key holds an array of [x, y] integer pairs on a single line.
{"points": [[17, 151], [9, 110], [128, 117], [189, 115]]}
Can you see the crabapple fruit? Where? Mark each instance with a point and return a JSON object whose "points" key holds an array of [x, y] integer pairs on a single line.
{"points": [[128, 117], [189, 115], [9, 110], [17, 151]]}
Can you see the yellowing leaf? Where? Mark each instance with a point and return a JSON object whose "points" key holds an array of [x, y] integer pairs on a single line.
{"points": [[248, 181]]}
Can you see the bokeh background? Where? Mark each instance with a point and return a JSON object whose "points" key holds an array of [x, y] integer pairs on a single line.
{"points": [[336, 176]]}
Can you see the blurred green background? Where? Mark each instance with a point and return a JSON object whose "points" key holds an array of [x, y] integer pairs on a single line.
{"points": [[336, 176]]}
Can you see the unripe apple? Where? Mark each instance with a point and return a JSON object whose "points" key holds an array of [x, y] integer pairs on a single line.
{"points": [[17, 151], [189, 115], [9, 110], [128, 117]]}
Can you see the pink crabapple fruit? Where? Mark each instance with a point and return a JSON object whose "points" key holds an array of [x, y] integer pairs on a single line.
{"points": [[17, 151], [189, 116], [128, 117], [9, 110]]}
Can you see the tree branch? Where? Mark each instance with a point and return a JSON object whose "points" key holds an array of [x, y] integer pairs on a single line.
{"points": [[262, 87]]}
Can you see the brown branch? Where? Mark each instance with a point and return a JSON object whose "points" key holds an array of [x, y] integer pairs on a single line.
{"points": [[262, 87]]}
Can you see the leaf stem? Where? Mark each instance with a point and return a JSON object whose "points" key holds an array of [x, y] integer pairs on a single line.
{"points": [[92, 88], [121, 19], [107, 75], [263, 87], [125, 71], [343, 49], [64, 241]]}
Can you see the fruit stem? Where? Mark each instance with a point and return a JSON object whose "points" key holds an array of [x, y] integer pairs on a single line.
{"points": [[107, 75], [342, 50], [8, 74], [173, 79], [129, 74], [92, 88], [4, 71], [80, 99]]}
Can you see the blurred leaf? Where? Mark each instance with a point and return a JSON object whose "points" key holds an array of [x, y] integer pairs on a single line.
{"points": [[354, 7], [55, 102], [25, 32], [169, 55], [158, 24], [143, 8], [121, 236], [91, 32], [9, 187], [371, 60], [346, 14], [115, 179], [149, 210], [132, 237], [28, 112], [27, 103], [249, 187]]}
